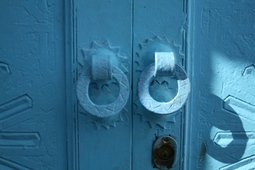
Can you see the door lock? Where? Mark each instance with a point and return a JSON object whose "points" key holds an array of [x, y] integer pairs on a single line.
{"points": [[164, 152]]}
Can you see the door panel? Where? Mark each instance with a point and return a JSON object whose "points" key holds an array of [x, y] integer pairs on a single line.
{"points": [[104, 31], [159, 26], [32, 85], [221, 112]]}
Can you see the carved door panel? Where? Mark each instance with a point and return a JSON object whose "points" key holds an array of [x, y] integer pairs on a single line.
{"points": [[32, 85], [220, 117], [103, 59], [158, 100]]}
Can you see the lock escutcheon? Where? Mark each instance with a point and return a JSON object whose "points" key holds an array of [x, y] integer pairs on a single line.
{"points": [[164, 152]]}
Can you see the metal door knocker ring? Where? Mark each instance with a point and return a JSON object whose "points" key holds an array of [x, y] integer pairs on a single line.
{"points": [[146, 77], [105, 110]]}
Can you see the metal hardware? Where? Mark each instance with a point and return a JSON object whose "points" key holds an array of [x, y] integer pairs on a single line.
{"points": [[102, 67], [164, 152], [164, 64]]}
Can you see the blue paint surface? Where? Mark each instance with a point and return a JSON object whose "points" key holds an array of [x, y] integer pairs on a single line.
{"points": [[220, 120], [69, 77], [33, 131]]}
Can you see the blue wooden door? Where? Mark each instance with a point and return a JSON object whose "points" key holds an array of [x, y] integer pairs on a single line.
{"points": [[212, 41], [115, 42], [107, 85]]}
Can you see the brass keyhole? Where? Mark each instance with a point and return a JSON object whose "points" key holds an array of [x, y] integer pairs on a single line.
{"points": [[165, 155], [164, 152]]}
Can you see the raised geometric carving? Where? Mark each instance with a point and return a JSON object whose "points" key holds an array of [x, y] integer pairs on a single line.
{"points": [[225, 138], [242, 108], [246, 163], [15, 106], [47, 103], [19, 139], [249, 70], [8, 164], [4, 68]]}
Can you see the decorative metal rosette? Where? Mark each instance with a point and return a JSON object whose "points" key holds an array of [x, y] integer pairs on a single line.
{"points": [[144, 58], [98, 89]]}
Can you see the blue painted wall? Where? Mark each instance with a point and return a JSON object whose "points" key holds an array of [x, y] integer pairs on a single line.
{"points": [[220, 123], [63, 66], [32, 85]]}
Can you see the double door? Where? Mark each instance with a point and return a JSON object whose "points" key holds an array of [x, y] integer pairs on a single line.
{"points": [[203, 105], [127, 84], [120, 110]]}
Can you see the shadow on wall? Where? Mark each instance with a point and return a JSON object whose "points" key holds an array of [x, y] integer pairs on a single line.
{"points": [[223, 54], [223, 132]]}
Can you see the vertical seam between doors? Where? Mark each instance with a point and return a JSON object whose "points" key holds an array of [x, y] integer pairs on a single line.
{"points": [[189, 66], [132, 78]]}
